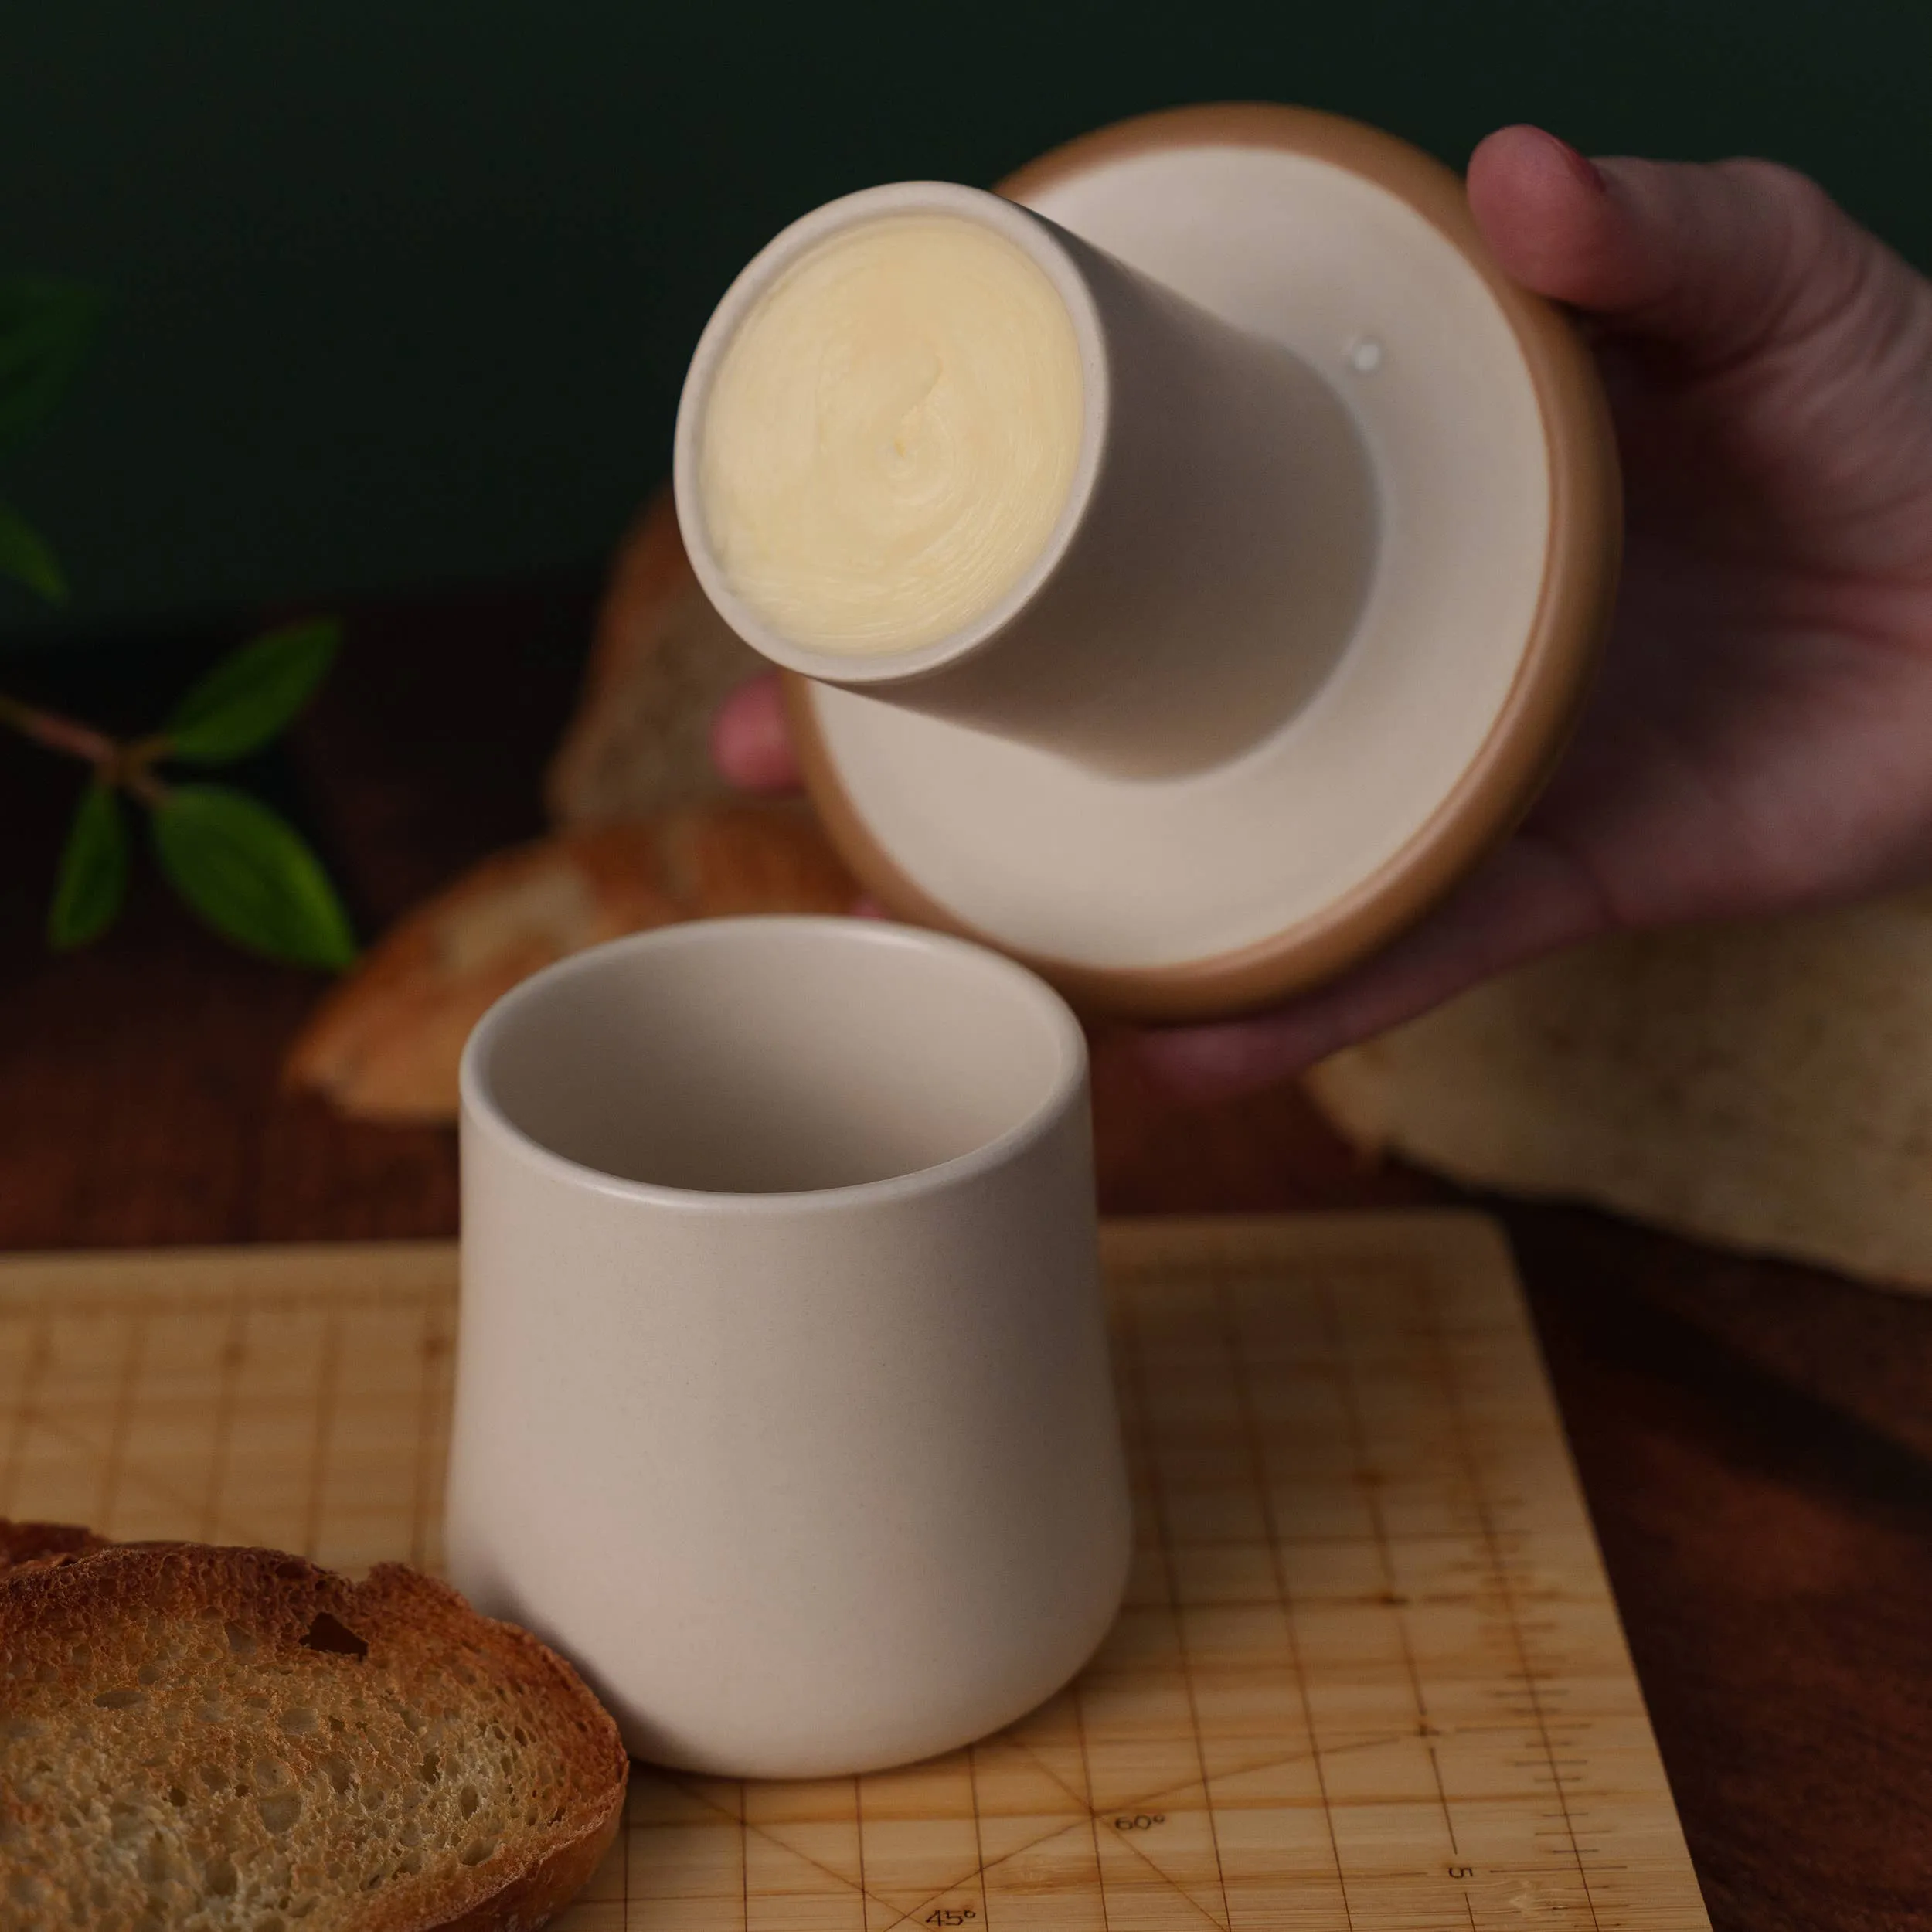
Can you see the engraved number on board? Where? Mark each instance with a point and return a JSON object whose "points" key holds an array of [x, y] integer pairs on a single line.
{"points": [[1462, 1871], [951, 1915], [1140, 1821]]}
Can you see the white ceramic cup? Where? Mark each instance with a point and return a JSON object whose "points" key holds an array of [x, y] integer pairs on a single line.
{"points": [[1207, 569], [783, 1401]]}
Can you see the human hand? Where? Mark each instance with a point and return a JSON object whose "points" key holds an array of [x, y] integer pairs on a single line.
{"points": [[1760, 738]]}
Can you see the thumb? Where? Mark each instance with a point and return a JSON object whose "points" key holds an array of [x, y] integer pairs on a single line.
{"points": [[1716, 260]]}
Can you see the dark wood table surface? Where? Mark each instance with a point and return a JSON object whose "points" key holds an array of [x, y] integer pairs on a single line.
{"points": [[1756, 1441]]}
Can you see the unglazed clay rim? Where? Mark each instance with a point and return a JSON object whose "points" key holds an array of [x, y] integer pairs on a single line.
{"points": [[1572, 614]]}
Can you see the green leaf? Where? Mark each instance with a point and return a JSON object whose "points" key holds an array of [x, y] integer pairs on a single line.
{"points": [[248, 697], [26, 557], [248, 873], [46, 328], [94, 872]]}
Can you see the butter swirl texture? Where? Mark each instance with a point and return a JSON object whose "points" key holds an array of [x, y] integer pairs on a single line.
{"points": [[891, 434]]}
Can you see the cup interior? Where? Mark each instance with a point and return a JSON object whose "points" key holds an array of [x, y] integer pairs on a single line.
{"points": [[773, 1056]]}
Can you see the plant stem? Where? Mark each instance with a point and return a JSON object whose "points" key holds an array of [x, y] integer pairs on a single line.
{"points": [[133, 774], [58, 734]]}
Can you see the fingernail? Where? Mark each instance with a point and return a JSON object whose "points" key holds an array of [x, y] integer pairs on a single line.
{"points": [[1585, 170]]}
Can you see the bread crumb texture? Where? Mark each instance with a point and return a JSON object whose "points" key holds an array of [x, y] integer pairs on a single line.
{"points": [[1765, 1086], [209, 1738], [661, 662]]}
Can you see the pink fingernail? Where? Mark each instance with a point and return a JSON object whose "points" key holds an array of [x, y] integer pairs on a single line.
{"points": [[1581, 166]]}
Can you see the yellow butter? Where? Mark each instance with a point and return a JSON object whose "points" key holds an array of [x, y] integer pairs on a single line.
{"points": [[891, 434]]}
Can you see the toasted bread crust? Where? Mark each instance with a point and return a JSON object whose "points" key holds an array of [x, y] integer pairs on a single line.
{"points": [[545, 1888], [662, 660], [90, 1610], [385, 1044], [35, 1545]]}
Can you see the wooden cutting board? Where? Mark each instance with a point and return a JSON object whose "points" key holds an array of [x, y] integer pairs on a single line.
{"points": [[1369, 1677]]}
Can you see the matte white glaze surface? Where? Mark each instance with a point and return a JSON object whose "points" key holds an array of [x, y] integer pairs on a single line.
{"points": [[806, 1481]]}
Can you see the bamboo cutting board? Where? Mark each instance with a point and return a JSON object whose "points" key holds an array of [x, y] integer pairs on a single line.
{"points": [[1369, 1677]]}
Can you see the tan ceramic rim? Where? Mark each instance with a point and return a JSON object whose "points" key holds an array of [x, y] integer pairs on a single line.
{"points": [[1573, 612]]}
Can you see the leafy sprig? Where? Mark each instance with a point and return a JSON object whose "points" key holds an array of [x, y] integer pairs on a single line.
{"points": [[243, 867]]}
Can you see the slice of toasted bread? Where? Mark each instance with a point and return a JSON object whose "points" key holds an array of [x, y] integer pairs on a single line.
{"points": [[1765, 1086], [214, 1740]]}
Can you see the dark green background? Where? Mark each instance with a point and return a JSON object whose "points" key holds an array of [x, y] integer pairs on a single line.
{"points": [[403, 293]]}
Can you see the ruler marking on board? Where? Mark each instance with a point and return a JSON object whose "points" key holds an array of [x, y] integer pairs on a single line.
{"points": [[1257, 1450], [1466, 1451]]}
